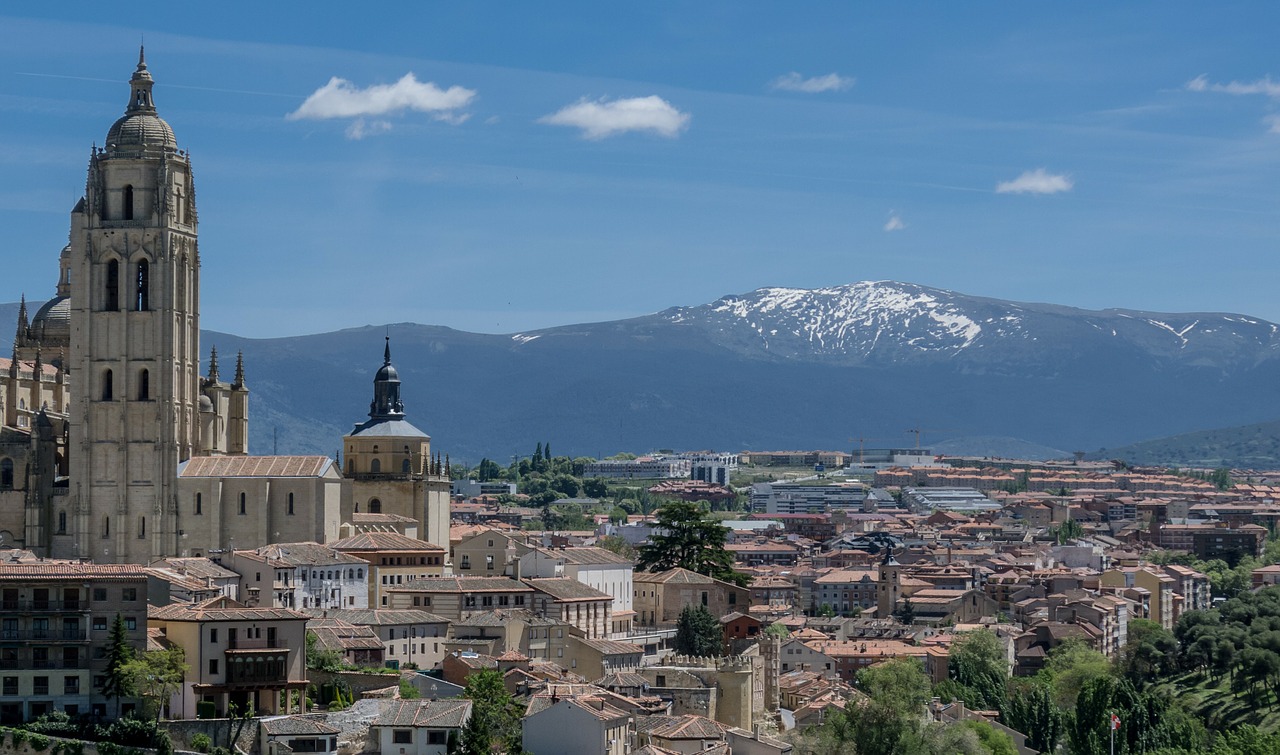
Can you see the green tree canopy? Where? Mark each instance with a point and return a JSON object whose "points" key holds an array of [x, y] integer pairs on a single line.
{"points": [[698, 633], [495, 717], [156, 675], [691, 541]]}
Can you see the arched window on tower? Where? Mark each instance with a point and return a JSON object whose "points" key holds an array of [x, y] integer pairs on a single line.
{"points": [[142, 527], [375, 466], [111, 302], [108, 390], [106, 526], [128, 202], [406, 466], [6, 474], [375, 506], [142, 286], [62, 522], [144, 385]]}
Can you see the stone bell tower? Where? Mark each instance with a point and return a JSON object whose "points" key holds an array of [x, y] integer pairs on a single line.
{"points": [[135, 303]]}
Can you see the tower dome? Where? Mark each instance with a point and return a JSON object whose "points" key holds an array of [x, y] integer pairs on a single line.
{"points": [[140, 129]]}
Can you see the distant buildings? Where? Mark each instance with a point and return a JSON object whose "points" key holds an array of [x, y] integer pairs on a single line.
{"points": [[645, 467]]}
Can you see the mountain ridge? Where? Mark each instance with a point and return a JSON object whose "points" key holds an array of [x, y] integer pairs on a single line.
{"points": [[779, 367]]}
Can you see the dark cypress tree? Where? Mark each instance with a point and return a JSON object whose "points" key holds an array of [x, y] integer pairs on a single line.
{"points": [[119, 653]]}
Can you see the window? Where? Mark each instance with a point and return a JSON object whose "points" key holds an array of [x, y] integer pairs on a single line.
{"points": [[213, 665], [519, 600], [213, 635], [99, 593], [144, 386], [704, 598], [40, 685], [131, 623], [111, 300], [375, 467], [70, 685], [733, 598], [142, 527], [142, 273], [404, 467], [199, 504], [242, 504], [106, 526], [6, 474], [129, 594], [107, 389], [127, 213], [62, 522], [435, 737], [10, 685], [291, 504], [100, 623], [402, 736], [375, 506]]}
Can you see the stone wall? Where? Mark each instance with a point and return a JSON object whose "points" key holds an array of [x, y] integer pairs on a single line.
{"points": [[26, 747]]}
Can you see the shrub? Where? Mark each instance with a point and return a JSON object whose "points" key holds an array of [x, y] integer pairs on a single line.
{"points": [[56, 724], [206, 709], [201, 742], [39, 742], [19, 736]]}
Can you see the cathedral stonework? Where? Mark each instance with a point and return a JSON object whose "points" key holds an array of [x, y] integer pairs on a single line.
{"points": [[114, 448]]}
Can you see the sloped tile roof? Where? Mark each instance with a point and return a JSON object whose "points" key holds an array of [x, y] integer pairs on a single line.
{"points": [[255, 466], [441, 714]]}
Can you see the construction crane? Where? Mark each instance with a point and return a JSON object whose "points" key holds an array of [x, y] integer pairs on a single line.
{"points": [[861, 442], [918, 431]]}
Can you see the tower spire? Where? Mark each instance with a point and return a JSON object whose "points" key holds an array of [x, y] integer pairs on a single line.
{"points": [[386, 402], [239, 381], [23, 324], [140, 87], [213, 365]]}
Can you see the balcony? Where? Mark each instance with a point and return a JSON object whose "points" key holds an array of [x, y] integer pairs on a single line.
{"points": [[48, 635], [43, 605]]}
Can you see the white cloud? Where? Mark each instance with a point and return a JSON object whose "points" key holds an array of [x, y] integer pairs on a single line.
{"points": [[360, 128], [1263, 85], [895, 223], [342, 99], [601, 118], [1036, 181], [1273, 123], [794, 82]]}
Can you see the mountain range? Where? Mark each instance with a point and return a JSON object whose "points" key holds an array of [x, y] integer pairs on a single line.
{"points": [[780, 368]]}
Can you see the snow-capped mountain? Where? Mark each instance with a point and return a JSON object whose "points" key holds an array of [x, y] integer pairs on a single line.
{"points": [[886, 322]]}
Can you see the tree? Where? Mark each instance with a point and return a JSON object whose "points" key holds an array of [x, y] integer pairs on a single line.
{"points": [[906, 614], [979, 667], [119, 652], [777, 630], [1071, 666], [1030, 709], [156, 675], [322, 659], [495, 717], [618, 545], [691, 541], [996, 742], [595, 487], [698, 633]]}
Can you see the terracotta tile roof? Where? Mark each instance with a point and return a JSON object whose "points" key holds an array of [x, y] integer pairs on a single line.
{"points": [[436, 714], [611, 647], [384, 541], [200, 568], [222, 609], [297, 725], [300, 554], [680, 727], [73, 570], [255, 466], [367, 518], [566, 590], [590, 555], [380, 617]]}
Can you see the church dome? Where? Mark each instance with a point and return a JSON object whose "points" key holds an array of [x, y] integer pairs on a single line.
{"points": [[141, 131], [52, 322], [386, 372]]}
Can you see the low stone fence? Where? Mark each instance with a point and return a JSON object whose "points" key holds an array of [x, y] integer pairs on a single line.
{"points": [[21, 742]]}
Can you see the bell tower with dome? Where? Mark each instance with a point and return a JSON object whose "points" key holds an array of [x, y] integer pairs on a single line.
{"points": [[132, 277]]}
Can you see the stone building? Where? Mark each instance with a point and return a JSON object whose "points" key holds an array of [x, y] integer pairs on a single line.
{"points": [[142, 457]]}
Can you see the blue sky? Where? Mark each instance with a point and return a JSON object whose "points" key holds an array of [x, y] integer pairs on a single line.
{"points": [[500, 167]]}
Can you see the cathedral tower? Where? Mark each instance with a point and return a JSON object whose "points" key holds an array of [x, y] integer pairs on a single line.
{"points": [[134, 280]]}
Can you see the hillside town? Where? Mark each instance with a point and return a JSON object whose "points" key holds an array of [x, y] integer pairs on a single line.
{"points": [[163, 589]]}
